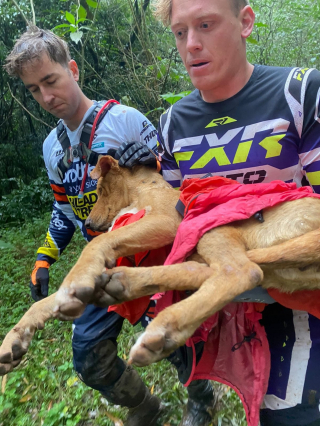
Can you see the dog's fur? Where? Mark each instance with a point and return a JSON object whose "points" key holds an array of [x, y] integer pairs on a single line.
{"points": [[283, 252]]}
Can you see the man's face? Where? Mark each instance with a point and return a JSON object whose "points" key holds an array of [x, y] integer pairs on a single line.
{"points": [[54, 87], [211, 42]]}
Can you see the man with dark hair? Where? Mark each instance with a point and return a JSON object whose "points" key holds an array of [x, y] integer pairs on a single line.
{"points": [[42, 60], [253, 124]]}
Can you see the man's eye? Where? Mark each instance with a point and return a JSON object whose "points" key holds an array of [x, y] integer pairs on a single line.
{"points": [[205, 25], [51, 82], [179, 34], [34, 90]]}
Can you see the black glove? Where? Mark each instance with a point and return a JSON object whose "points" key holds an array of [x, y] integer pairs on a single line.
{"points": [[135, 153], [39, 283]]}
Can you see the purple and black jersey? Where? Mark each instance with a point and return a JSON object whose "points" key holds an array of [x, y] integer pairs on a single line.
{"points": [[270, 130]]}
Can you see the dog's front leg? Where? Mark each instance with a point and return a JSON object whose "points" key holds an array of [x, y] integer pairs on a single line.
{"points": [[123, 283], [82, 284], [232, 274], [17, 341]]}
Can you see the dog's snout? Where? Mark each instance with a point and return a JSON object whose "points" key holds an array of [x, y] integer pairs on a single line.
{"points": [[88, 223]]}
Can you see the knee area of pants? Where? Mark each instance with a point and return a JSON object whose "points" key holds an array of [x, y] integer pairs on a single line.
{"points": [[101, 366]]}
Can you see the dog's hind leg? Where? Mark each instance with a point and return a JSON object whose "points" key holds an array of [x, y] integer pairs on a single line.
{"points": [[297, 252], [17, 341], [122, 283], [232, 274]]}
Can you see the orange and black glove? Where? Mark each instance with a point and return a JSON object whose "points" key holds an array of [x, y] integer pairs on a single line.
{"points": [[39, 283]]}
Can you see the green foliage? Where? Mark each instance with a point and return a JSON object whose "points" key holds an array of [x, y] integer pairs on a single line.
{"points": [[286, 33], [172, 98], [123, 53], [26, 201]]}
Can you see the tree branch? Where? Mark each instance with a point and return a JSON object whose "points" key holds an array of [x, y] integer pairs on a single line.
{"points": [[22, 14], [36, 118]]}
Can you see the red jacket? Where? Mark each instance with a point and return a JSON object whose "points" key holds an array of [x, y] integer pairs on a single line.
{"points": [[134, 309], [209, 203]]}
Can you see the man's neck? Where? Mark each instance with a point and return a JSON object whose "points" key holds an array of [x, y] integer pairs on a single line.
{"points": [[74, 122], [231, 88]]}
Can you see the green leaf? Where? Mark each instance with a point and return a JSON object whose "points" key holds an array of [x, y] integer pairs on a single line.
{"points": [[260, 24], [172, 98], [70, 18], [252, 40], [76, 36], [82, 13], [62, 26], [92, 3], [81, 20]]}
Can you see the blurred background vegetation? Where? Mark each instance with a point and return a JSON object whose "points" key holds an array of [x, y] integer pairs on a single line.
{"points": [[125, 54]]}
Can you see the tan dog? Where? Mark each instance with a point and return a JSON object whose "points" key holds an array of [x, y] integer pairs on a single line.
{"points": [[225, 265]]}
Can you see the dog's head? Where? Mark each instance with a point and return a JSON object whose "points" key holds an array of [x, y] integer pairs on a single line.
{"points": [[112, 193]]}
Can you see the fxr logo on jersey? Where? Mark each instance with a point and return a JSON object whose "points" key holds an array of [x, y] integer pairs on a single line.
{"points": [[83, 206], [220, 122], [269, 144], [298, 75]]}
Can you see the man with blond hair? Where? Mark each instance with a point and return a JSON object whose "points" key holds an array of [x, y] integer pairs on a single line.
{"points": [[254, 124]]}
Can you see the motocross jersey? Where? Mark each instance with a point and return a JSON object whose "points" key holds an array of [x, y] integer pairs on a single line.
{"points": [[120, 124], [269, 130]]}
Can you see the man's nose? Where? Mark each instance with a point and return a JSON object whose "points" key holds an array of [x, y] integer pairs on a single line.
{"points": [[193, 41], [47, 95]]}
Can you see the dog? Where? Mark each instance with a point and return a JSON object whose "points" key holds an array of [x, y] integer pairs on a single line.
{"points": [[282, 252]]}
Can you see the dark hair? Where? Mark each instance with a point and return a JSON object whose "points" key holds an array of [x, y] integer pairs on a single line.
{"points": [[32, 45]]}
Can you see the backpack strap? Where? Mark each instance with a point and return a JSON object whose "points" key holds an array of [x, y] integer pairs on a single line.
{"points": [[80, 150]]}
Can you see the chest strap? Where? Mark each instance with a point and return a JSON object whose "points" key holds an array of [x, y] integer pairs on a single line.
{"points": [[81, 150]]}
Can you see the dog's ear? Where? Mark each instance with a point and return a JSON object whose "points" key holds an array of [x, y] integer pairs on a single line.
{"points": [[103, 167]]}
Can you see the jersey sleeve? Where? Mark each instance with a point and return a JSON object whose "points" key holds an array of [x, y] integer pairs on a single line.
{"points": [[309, 150], [63, 223], [59, 234], [170, 169]]}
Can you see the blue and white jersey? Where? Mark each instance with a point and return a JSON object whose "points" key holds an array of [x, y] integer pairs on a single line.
{"points": [[120, 124]]}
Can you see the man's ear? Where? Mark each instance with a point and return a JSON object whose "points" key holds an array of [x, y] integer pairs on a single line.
{"points": [[104, 166], [247, 17], [73, 67]]}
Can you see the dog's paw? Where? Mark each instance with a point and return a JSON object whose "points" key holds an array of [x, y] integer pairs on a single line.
{"points": [[152, 346], [112, 288], [71, 302], [14, 346]]}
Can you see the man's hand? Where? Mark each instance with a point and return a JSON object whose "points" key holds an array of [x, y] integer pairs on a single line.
{"points": [[136, 153], [39, 283]]}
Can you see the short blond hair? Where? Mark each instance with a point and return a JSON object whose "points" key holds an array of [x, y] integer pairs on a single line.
{"points": [[32, 45], [163, 9]]}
